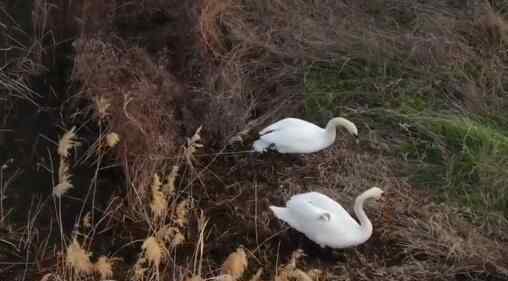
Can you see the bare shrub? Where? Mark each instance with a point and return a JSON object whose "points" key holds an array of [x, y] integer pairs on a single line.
{"points": [[140, 97]]}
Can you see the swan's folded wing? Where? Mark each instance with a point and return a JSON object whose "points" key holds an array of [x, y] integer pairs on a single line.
{"points": [[284, 123], [303, 210], [321, 201], [288, 137], [285, 215]]}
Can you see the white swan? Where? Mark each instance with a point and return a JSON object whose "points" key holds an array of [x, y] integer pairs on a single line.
{"points": [[325, 222], [292, 135]]}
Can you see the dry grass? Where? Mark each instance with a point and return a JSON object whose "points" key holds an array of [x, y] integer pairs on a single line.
{"points": [[65, 144], [235, 264], [151, 72], [142, 110], [78, 259], [104, 267], [19, 60]]}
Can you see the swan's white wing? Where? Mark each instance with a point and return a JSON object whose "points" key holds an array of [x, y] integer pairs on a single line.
{"points": [[304, 138], [323, 202], [288, 123], [293, 137], [305, 217], [319, 225]]}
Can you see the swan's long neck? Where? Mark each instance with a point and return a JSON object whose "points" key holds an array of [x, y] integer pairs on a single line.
{"points": [[331, 128], [365, 224]]}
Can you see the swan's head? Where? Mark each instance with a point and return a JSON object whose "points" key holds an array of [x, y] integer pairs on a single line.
{"points": [[375, 192], [348, 125]]}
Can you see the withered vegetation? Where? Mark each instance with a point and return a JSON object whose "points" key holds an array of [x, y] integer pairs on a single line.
{"points": [[126, 125]]}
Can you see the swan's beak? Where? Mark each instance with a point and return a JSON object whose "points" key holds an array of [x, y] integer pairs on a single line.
{"points": [[357, 140], [382, 198]]}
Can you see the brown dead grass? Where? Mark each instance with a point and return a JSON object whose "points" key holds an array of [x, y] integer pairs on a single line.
{"points": [[250, 57], [235, 264], [141, 108]]}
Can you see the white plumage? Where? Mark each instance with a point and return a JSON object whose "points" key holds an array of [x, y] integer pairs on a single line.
{"points": [[293, 135], [325, 221]]}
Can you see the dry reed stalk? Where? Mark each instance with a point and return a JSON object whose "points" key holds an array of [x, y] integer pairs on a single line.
{"points": [[291, 272], [46, 277], [177, 239], [78, 259], [136, 95], [209, 19], [112, 139], [102, 104], [315, 274], [154, 251], [192, 146], [169, 187], [64, 183], [235, 264], [257, 276], [139, 269], [182, 211], [299, 275], [159, 203], [67, 142], [104, 267], [171, 235], [87, 220]]}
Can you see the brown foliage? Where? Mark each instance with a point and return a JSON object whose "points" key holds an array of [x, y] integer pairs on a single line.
{"points": [[140, 94], [243, 63]]}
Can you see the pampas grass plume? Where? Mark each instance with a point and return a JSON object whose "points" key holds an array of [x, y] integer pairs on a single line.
{"points": [[78, 258], [181, 213], [139, 269], [154, 251], [159, 204], [102, 105], [169, 187], [87, 220], [64, 182], [235, 264], [67, 142], [177, 239], [171, 235], [104, 267], [112, 139]]}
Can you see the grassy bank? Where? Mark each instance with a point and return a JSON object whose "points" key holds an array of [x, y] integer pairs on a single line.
{"points": [[126, 122]]}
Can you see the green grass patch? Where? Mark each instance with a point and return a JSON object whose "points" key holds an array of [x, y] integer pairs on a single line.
{"points": [[330, 87], [462, 159], [459, 156]]}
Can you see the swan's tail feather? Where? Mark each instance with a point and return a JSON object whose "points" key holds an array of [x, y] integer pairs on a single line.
{"points": [[261, 145], [283, 215]]}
